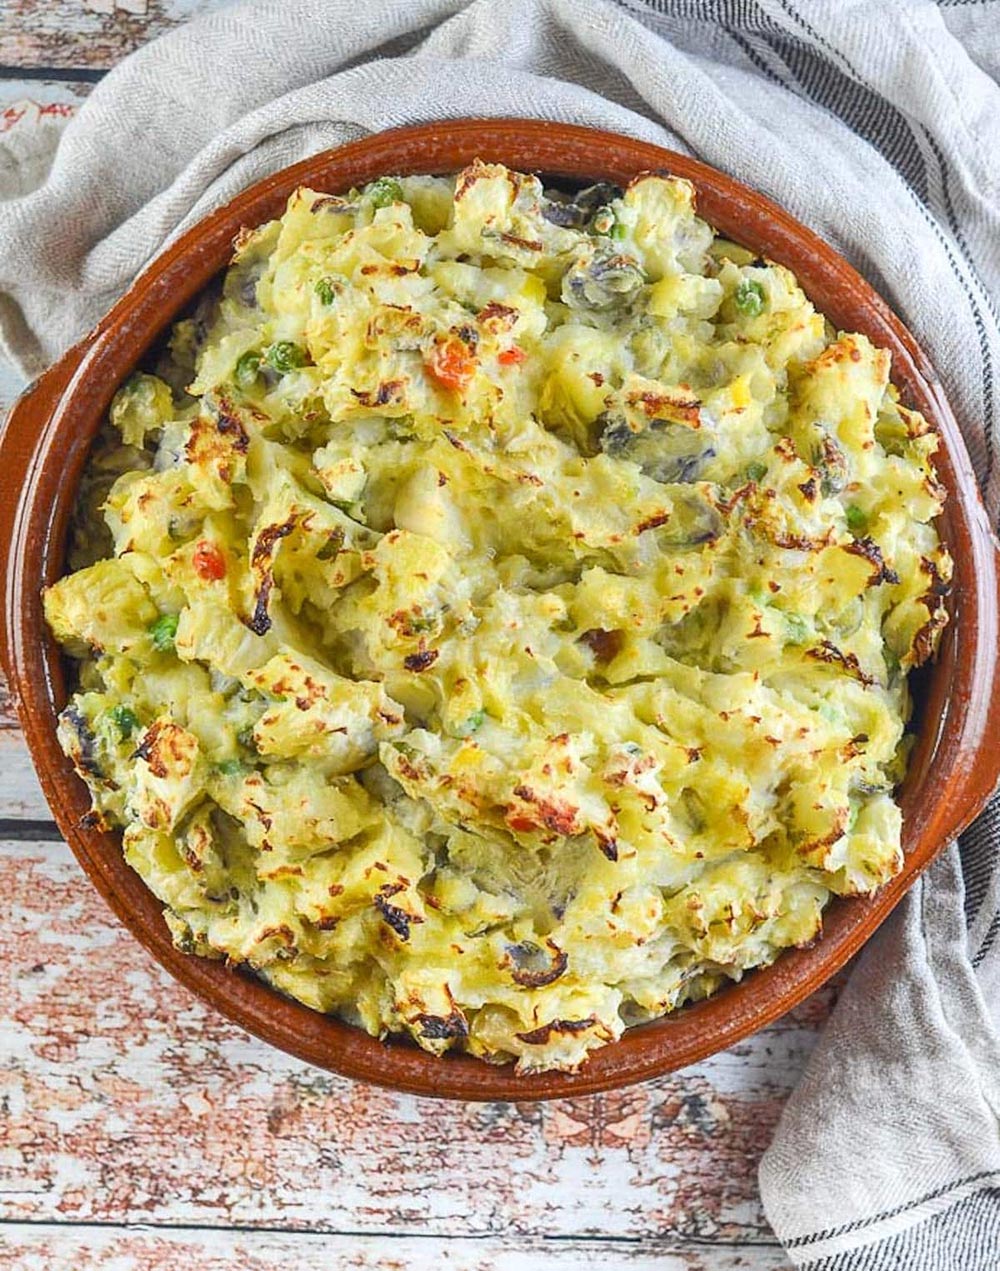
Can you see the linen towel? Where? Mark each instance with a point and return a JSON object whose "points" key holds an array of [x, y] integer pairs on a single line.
{"points": [[877, 123]]}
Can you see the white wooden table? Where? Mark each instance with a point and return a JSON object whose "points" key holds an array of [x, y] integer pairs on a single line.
{"points": [[138, 1130]]}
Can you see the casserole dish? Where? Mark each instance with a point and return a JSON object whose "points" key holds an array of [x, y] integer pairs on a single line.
{"points": [[45, 446]]}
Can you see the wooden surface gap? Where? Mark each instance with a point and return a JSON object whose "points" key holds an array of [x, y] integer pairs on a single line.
{"points": [[67, 74], [665, 1242], [29, 831]]}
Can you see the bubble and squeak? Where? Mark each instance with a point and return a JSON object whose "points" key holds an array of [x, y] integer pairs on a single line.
{"points": [[492, 613]]}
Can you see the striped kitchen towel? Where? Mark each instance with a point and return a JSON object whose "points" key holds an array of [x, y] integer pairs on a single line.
{"points": [[877, 123]]}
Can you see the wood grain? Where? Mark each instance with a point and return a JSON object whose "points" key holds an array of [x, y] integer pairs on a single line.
{"points": [[92, 34]]}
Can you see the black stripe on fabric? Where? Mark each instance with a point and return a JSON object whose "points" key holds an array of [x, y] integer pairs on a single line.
{"points": [[859, 107], [963, 1237], [977, 874], [817, 36], [956, 229], [978, 850], [989, 940], [741, 15], [740, 19], [987, 360], [819, 78], [981, 1217], [799, 1242], [747, 49], [904, 153]]}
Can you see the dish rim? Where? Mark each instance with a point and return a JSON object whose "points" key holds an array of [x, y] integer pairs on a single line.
{"points": [[44, 446]]}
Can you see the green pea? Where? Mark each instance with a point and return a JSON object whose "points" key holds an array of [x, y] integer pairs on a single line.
{"points": [[285, 356], [750, 298], [247, 370], [125, 721], [164, 631], [472, 724], [230, 767], [384, 192], [856, 520], [326, 291], [756, 471], [797, 627]]}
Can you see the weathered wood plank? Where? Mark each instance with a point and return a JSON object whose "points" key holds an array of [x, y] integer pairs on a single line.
{"points": [[55, 1248], [8, 718], [131, 1102], [25, 105], [52, 97], [87, 33], [21, 796]]}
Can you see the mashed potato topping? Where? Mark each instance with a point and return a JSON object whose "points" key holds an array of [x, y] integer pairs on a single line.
{"points": [[493, 618]]}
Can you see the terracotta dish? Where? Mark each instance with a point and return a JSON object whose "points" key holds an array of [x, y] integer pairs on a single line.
{"points": [[45, 445]]}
